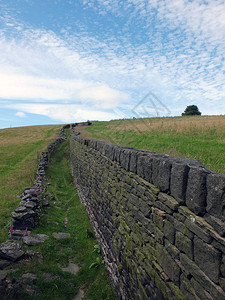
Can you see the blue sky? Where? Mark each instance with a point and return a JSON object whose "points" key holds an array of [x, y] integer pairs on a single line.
{"points": [[64, 61]]}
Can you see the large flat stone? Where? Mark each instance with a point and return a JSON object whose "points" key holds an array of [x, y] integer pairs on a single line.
{"points": [[11, 251], [23, 215], [208, 259], [28, 277], [61, 235], [34, 239], [71, 268]]}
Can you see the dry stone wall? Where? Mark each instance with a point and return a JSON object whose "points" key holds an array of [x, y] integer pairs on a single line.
{"points": [[159, 220], [24, 217]]}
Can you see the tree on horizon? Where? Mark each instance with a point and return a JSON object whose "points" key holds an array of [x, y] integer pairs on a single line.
{"points": [[191, 110]]}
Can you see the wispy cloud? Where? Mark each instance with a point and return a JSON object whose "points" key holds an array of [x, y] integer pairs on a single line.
{"points": [[173, 48], [65, 112]]}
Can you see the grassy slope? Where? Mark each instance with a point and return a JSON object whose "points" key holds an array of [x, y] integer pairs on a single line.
{"points": [[19, 149], [78, 249], [201, 138]]}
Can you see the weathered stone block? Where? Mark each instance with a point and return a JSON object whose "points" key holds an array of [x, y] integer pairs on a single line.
{"points": [[117, 151], [179, 226], [161, 170], [186, 288], [163, 207], [222, 267], [222, 283], [159, 235], [178, 183], [109, 151], [169, 231], [213, 289], [208, 259], [184, 244], [163, 291], [177, 294], [168, 201], [172, 250], [197, 225], [125, 159], [200, 290], [158, 217], [142, 165], [144, 207], [216, 223], [170, 267], [216, 195], [11, 251], [196, 190], [133, 161]]}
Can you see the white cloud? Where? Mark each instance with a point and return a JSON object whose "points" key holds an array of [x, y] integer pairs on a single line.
{"points": [[103, 96], [93, 75], [65, 113], [20, 114]]}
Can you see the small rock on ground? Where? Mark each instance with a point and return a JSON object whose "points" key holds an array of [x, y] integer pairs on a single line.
{"points": [[61, 235], [34, 239], [71, 268], [31, 289], [28, 277], [49, 277], [80, 295]]}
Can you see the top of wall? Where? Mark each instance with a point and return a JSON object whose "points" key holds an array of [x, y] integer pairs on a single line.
{"points": [[187, 180]]}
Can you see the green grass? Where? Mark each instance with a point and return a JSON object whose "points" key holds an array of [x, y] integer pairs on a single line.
{"points": [[201, 138], [19, 149], [78, 248]]}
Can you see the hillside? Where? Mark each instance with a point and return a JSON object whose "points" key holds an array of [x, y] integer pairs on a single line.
{"points": [[19, 151], [196, 137]]}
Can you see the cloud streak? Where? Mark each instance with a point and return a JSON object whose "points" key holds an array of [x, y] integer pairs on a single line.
{"points": [[173, 48], [64, 113]]}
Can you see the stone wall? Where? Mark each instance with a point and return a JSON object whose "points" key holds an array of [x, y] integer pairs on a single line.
{"points": [[159, 220], [33, 198]]}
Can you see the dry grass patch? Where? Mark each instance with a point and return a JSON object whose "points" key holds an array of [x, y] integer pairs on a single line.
{"points": [[189, 124]]}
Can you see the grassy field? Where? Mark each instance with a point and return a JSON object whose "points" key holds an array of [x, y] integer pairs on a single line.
{"points": [[196, 137], [19, 149]]}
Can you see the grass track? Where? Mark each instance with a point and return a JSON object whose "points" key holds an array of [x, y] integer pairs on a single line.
{"points": [[78, 248]]}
